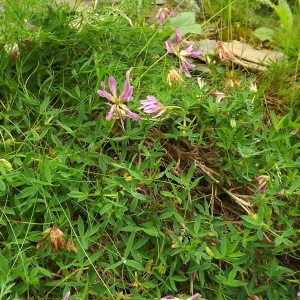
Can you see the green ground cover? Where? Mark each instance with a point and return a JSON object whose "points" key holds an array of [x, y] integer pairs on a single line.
{"points": [[127, 173]]}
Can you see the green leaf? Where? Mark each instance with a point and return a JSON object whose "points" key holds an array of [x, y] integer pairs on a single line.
{"points": [[134, 264], [265, 33], [151, 231], [251, 222], [80, 225], [129, 244], [77, 195], [284, 12], [197, 224], [4, 265], [2, 185], [45, 272], [46, 170], [165, 215], [185, 22]]}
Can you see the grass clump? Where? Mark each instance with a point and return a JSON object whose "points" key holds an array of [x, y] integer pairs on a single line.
{"points": [[193, 190]]}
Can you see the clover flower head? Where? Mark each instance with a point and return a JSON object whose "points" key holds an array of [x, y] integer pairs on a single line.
{"points": [[201, 82], [252, 87], [163, 14], [223, 52], [174, 77], [118, 109], [13, 50], [263, 183], [57, 239], [219, 96], [173, 48], [152, 106]]}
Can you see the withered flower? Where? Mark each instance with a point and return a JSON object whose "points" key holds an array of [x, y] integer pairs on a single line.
{"points": [[57, 239], [174, 77], [223, 52]]}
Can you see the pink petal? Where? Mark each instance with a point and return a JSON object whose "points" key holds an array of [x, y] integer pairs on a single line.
{"points": [[106, 95], [159, 114], [112, 85], [130, 114], [128, 89], [111, 112], [189, 52], [169, 46], [121, 119], [196, 296], [178, 36], [184, 67]]}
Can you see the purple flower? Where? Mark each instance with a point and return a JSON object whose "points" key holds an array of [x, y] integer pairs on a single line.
{"points": [[163, 14], [118, 109], [298, 296], [169, 298], [181, 54], [152, 106], [67, 296]]}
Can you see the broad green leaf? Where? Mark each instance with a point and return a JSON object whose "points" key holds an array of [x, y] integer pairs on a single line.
{"points": [[265, 33], [134, 264], [284, 12], [151, 231], [185, 22]]}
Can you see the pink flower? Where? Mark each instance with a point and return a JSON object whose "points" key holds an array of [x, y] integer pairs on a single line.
{"points": [[118, 109], [181, 54], [31, 26], [263, 183], [67, 296], [152, 106], [163, 14]]}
